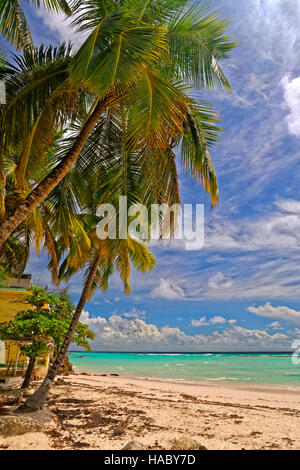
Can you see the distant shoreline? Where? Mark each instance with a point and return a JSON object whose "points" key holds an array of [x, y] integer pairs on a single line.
{"points": [[186, 352]]}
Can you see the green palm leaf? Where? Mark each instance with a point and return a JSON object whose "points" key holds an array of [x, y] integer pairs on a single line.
{"points": [[115, 52], [197, 45], [13, 23]]}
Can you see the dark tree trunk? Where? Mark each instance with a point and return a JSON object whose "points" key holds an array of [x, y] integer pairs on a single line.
{"points": [[42, 190], [37, 400], [29, 373]]}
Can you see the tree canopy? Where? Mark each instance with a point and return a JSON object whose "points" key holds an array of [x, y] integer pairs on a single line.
{"points": [[43, 326]]}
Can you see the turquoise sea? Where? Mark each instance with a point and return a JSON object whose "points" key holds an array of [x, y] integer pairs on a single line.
{"points": [[251, 368]]}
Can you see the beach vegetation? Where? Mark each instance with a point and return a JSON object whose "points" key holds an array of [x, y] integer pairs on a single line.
{"points": [[42, 327]]}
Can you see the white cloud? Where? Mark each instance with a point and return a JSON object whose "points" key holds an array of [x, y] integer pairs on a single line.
{"points": [[232, 321], [218, 281], [291, 89], [212, 321], [134, 313], [278, 230], [121, 334], [60, 25], [201, 322], [168, 289], [288, 205], [275, 325], [217, 319], [282, 312]]}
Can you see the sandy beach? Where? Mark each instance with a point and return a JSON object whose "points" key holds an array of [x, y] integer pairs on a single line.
{"points": [[106, 412]]}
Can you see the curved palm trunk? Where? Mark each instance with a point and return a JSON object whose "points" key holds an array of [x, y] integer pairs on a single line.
{"points": [[29, 373], [37, 400], [55, 176]]}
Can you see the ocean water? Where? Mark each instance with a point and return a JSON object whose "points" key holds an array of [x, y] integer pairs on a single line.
{"points": [[251, 368]]}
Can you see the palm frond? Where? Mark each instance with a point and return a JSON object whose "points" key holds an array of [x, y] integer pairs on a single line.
{"points": [[140, 255], [116, 50], [199, 134], [198, 42], [156, 111], [13, 24]]}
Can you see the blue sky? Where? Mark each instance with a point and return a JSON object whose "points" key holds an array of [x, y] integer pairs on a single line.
{"points": [[241, 292]]}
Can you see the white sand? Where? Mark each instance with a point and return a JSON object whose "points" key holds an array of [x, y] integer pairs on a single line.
{"points": [[96, 412]]}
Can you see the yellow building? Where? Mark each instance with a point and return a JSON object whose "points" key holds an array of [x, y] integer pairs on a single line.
{"points": [[12, 361]]}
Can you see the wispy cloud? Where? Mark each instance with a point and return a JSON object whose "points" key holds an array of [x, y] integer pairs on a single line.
{"points": [[279, 230], [292, 99]]}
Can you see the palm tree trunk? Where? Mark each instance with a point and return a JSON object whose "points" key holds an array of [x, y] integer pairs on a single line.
{"points": [[2, 186], [37, 400], [2, 195], [29, 373], [55, 176]]}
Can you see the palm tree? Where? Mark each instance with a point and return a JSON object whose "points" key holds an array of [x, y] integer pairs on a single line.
{"points": [[117, 172], [142, 61], [102, 259], [13, 23]]}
